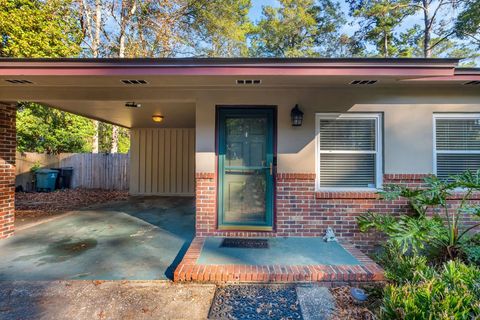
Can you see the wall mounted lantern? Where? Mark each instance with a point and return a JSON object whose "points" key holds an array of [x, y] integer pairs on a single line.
{"points": [[157, 118], [297, 116]]}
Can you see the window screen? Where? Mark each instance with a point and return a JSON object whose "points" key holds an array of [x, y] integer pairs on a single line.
{"points": [[348, 151], [457, 144]]}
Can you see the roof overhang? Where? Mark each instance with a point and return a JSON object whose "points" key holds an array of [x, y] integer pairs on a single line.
{"points": [[229, 66], [95, 87]]}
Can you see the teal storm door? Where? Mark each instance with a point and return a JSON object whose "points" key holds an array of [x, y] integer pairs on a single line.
{"points": [[245, 168]]}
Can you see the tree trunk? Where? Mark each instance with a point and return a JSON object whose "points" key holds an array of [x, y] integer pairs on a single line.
{"points": [[98, 27], [95, 137], [385, 44], [427, 51], [114, 148], [96, 53], [126, 12]]}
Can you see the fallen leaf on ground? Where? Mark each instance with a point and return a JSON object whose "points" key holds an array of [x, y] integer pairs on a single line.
{"points": [[39, 204]]}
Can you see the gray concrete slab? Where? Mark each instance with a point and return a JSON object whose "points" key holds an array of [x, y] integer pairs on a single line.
{"points": [[140, 239], [316, 302], [85, 300], [281, 251]]}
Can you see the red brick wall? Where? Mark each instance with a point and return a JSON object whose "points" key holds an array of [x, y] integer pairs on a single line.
{"points": [[302, 212], [7, 169]]}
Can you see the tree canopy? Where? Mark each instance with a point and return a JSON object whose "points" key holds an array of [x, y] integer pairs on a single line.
{"points": [[41, 29], [43, 129], [297, 28]]}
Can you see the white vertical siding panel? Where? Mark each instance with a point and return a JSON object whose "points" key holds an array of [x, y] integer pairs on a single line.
{"points": [[154, 162], [162, 161], [185, 155], [148, 161], [142, 160], [134, 163]]}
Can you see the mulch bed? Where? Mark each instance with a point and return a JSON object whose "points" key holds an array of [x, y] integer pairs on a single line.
{"points": [[347, 308], [38, 204]]}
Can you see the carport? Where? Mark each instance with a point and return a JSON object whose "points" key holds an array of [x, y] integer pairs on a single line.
{"points": [[125, 92]]}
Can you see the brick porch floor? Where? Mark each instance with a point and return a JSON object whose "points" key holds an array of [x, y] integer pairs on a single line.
{"points": [[190, 270]]}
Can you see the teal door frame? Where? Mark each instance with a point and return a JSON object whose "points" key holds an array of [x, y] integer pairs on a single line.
{"points": [[223, 112]]}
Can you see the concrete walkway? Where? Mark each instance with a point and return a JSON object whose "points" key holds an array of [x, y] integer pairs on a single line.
{"points": [[139, 239], [89, 300]]}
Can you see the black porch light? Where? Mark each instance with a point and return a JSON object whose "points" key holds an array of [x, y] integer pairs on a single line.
{"points": [[297, 116]]}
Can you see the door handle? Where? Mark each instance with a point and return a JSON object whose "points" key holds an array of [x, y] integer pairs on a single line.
{"points": [[271, 168]]}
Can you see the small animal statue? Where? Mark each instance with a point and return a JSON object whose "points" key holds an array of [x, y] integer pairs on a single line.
{"points": [[329, 235]]}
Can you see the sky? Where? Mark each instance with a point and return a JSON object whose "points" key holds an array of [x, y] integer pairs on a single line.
{"points": [[256, 12]]}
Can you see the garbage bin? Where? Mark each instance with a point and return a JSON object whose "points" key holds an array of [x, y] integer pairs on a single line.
{"points": [[64, 178], [46, 179], [58, 182], [67, 173]]}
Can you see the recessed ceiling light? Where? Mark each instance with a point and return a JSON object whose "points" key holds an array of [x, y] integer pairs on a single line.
{"points": [[157, 118]]}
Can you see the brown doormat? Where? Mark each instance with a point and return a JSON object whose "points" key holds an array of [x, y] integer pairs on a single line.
{"points": [[244, 243]]}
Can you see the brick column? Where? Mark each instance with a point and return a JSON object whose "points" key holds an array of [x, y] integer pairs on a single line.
{"points": [[7, 169], [205, 204]]}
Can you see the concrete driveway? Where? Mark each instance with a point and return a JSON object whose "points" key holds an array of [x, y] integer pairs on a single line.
{"points": [[139, 239]]}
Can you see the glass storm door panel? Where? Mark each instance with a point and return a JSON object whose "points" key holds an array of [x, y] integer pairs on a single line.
{"points": [[245, 167]]}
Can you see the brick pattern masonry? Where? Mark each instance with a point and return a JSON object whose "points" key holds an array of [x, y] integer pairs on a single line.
{"points": [[7, 169], [302, 212], [189, 270]]}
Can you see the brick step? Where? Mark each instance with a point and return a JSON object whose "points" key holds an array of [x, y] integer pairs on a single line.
{"points": [[281, 274], [189, 270]]}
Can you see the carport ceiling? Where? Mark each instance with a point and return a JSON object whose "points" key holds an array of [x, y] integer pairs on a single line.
{"points": [[177, 114]]}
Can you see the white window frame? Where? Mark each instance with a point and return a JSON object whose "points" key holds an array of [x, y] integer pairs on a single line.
{"points": [[378, 149], [452, 116]]}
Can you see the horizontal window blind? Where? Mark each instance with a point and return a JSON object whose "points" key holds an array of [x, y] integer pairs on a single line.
{"points": [[347, 151], [347, 135], [458, 134], [451, 164], [347, 170], [457, 144]]}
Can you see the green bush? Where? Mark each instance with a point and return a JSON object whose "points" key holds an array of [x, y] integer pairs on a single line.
{"points": [[471, 249], [451, 293], [444, 233], [399, 267]]}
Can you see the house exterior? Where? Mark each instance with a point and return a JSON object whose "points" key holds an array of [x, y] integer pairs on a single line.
{"points": [[227, 136]]}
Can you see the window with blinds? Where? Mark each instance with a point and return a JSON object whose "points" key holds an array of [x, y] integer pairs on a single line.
{"points": [[457, 143], [348, 151]]}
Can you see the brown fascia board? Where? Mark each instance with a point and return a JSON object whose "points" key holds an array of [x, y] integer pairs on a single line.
{"points": [[225, 62], [365, 67]]}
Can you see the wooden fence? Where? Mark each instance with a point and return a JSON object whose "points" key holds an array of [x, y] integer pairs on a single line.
{"points": [[90, 170]]}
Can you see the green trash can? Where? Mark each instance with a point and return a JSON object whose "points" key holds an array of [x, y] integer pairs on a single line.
{"points": [[45, 180]]}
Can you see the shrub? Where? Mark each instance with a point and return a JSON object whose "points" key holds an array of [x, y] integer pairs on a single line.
{"points": [[471, 249], [400, 268], [451, 293], [443, 232]]}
